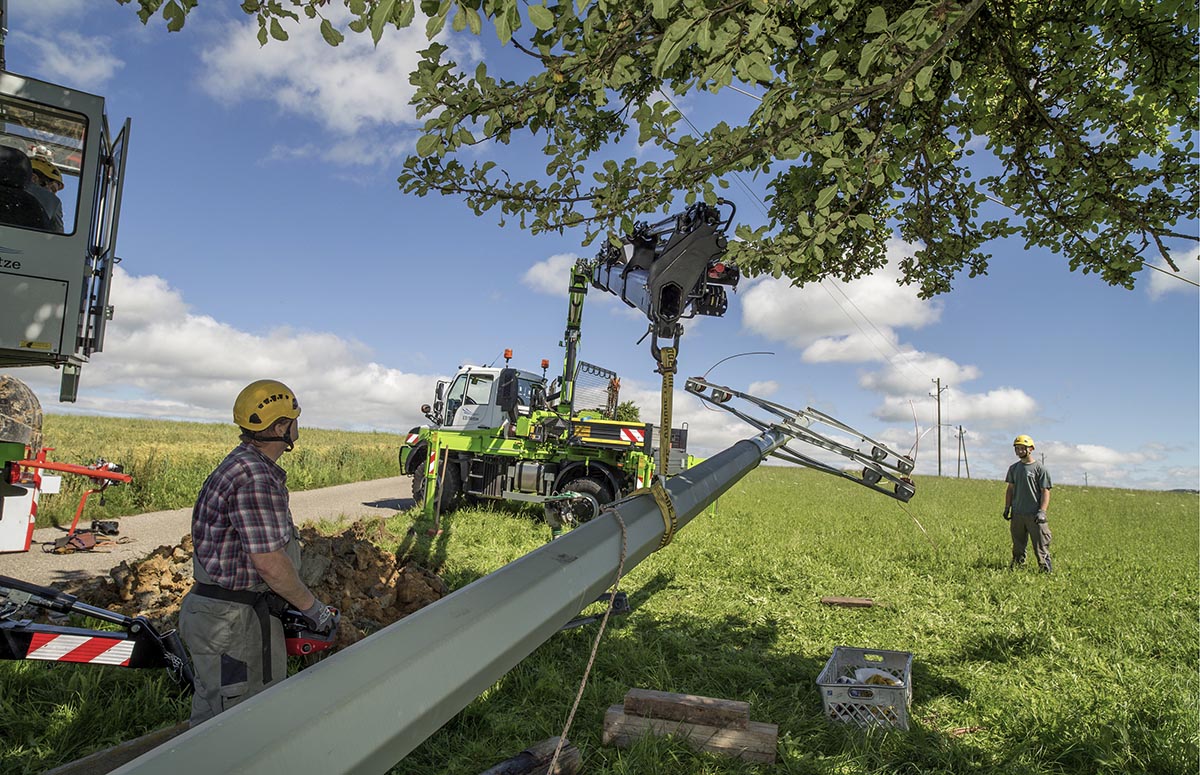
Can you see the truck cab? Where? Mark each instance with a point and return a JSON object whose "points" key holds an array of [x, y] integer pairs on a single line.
{"points": [[472, 399], [55, 279]]}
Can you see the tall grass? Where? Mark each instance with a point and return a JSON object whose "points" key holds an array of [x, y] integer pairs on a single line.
{"points": [[170, 460], [1092, 669]]}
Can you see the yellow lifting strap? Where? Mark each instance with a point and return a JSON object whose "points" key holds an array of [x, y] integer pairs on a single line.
{"points": [[666, 366]]}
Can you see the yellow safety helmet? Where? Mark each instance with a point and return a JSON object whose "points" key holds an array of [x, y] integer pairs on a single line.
{"points": [[47, 170], [262, 403], [1023, 441]]}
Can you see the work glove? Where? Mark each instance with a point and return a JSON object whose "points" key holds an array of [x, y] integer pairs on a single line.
{"points": [[1007, 511], [1041, 517], [320, 617]]}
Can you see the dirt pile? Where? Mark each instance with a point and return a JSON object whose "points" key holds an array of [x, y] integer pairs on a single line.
{"points": [[345, 570]]}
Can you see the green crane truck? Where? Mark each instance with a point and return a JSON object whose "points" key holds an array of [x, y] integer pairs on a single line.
{"points": [[504, 433]]}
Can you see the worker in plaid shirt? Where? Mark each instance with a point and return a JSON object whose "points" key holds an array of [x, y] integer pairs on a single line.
{"points": [[246, 560]]}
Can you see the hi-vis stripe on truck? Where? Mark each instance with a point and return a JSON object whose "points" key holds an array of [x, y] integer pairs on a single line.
{"points": [[610, 433], [412, 438], [80, 648]]}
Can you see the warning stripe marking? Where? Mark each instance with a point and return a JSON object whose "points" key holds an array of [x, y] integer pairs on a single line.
{"points": [[432, 461], [632, 435], [87, 649], [412, 439]]}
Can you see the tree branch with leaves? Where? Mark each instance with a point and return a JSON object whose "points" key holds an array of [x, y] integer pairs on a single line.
{"points": [[954, 124]]}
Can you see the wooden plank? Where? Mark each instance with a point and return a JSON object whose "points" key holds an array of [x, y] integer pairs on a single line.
{"points": [[687, 707], [755, 743], [535, 760], [849, 602]]}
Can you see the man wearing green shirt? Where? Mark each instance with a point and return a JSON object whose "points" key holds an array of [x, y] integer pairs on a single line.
{"points": [[1025, 503]]}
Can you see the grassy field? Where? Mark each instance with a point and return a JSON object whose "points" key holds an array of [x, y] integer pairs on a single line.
{"points": [[170, 460], [1090, 670]]}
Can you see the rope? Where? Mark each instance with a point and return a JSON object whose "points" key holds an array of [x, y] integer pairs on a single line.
{"points": [[562, 738]]}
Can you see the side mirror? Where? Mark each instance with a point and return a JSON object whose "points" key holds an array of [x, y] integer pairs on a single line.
{"points": [[507, 395], [426, 408]]}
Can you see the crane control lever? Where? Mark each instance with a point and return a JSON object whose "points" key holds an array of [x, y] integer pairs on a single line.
{"points": [[880, 466]]}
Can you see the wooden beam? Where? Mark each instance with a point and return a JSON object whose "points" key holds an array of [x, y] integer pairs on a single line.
{"points": [[849, 602], [731, 714], [755, 743]]}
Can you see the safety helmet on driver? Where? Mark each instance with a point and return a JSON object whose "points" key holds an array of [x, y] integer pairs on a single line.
{"points": [[1023, 441], [46, 169], [262, 403]]}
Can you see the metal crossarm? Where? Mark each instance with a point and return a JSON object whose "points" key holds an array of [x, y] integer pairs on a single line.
{"points": [[880, 464]]}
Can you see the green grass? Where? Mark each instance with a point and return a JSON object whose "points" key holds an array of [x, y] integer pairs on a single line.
{"points": [[170, 460], [1090, 670]]}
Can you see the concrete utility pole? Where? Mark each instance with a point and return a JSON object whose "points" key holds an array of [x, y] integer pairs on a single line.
{"points": [[938, 395], [365, 708], [962, 452]]}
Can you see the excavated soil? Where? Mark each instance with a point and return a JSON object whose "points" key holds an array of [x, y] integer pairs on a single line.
{"points": [[370, 585]]}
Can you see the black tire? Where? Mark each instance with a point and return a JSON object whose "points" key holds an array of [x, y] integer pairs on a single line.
{"points": [[451, 485], [581, 511]]}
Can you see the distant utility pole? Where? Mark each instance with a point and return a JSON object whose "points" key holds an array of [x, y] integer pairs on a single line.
{"points": [[1085, 478], [938, 396], [962, 452]]}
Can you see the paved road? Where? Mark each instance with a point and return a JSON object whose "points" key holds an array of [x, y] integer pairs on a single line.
{"points": [[147, 532]]}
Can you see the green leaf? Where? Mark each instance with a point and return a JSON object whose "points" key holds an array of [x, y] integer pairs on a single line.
{"points": [[332, 36], [380, 17], [865, 221], [955, 69], [541, 16], [877, 20], [277, 30], [662, 9], [408, 10], [175, 16], [827, 59], [473, 20], [925, 76], [671, 46], [826, 196], [427, 145], [869, 53]]}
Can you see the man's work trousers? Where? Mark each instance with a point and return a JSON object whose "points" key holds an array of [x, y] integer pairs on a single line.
{"points": [[1026, 528], [225, 641]]}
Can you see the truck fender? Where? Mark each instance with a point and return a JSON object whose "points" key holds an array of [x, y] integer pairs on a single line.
{"points": [[572, 470], [416, 457]]}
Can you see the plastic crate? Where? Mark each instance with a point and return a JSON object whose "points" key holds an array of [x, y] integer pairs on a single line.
{"points": [[864, 704]]}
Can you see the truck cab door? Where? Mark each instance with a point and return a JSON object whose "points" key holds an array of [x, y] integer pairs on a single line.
{"points": [[471, 402]]}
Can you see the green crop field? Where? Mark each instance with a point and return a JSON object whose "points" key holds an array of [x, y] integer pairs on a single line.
{"points": [[1092, 669], [170, 460]]}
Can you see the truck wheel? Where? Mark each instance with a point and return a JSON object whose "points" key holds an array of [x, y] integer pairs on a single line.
{"points": [[580, 511], [451, 486]]}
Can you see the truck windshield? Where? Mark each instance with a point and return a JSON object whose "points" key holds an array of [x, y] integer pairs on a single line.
{"points": [[467, 390], [51, 142]]}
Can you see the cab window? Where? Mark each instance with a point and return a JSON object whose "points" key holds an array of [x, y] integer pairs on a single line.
{"points": [[42, 157]]}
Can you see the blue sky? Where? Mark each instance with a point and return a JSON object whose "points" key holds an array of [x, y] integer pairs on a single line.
{"points": [[263, 234]]}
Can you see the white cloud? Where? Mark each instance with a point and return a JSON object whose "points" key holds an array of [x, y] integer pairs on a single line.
{"points": [[995, 408], [838, 321], [1172, 282], [162, 361], [82, 62], [764, 389], [550, 276], [909, 373], [348, 88]]}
